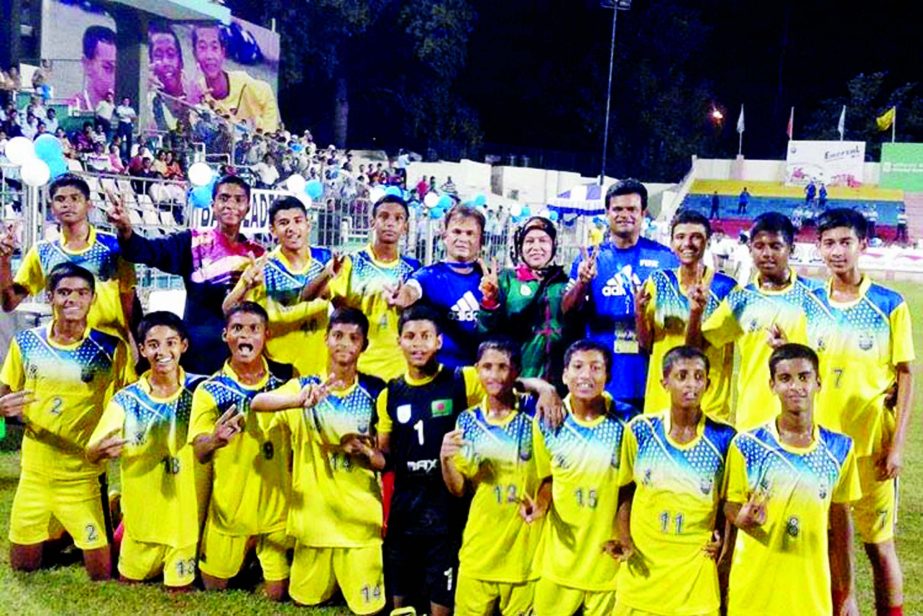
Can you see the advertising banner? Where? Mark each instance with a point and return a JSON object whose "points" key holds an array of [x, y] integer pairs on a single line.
{"points": [[834, 163], [257, 220], [902, 166]]}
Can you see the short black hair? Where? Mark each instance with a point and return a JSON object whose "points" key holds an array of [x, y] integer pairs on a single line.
{"points": [[350, 316], [222, 34], [589, 345], [502, 345], [72, 181], [843, 217], [247, 308], [681, 352], [160, 27], [690, 217], [460, 210], [775, 223], [391, 199], [161, 318], [236, 180], [792, 350], [69, 270], [628, 186], [418, 313], [93, 36], [285, 203]]}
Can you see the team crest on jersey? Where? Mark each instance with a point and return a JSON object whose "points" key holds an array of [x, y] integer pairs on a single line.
{"points": [[821, 344], [362, 427], [614, 461], [441, 408], [648, 478], [753, 326], [866, 341], [792, 527], [525, 456], [560, 461], [706, 484], [403, 413], [822, 490]]}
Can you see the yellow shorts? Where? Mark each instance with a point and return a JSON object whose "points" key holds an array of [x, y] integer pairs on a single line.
{"points": [[876, 512], [140, 561], [43, 505], [317, 572], [553, 599], [475, 597], [623, 610], [222, 556]]}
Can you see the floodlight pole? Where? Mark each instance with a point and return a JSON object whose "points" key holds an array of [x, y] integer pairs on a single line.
{"points": [[615, 15]]}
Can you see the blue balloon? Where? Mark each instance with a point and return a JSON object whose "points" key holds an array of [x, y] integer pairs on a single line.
{"points": [[394, 191], [436, 212], [201, 196], [445, 202], [553, 215], [314, 188], [48, 148], [480, 200], [526, 211], [57, 166]]}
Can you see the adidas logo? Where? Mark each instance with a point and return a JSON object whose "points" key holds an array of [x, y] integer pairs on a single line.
{"points": [[621, 282], [466, 308]]}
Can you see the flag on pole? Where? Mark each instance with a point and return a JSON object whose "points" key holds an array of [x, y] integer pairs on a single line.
{"points": [[841, 125], [885, 120], [740, 120], [790, 130]]}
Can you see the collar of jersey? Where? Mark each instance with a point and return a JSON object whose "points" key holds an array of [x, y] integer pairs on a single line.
{"points": [[792, 279], [864, 286], [594, 422], [707, 275], [144, 382], [280, 256], [668, 425], [427, 379], [91, 239], [65, 347], [342, 393], [499, 422], [227, 370], [384, 264], [815, 439]]}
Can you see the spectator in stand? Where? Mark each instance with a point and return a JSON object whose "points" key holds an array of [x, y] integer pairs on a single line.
{"points": [[99, 136], [174, 170], [266, 173], [242, 149], [115, 159], [105, 109], [99, 62], [810, 191], [40, 129], [84, 140], [51, 121], [743, 201], [714, 213], [38, 109], [126, 115], [11, 127], [67, 148], [422, 187], [98, 160], [159, 166], [30, 126], [449, 187], [822, 196]]}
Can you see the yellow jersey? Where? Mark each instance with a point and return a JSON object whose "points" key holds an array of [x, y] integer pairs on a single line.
{"points": [[361, 284], [582, 459], [668, 312], [789, 551], [103, 258], [498, 458], [251, 475], [249, 99], [297, 328], [336, 498], [860, 343], [71, 384], [157, 465], [745, 318], [678, 490]]}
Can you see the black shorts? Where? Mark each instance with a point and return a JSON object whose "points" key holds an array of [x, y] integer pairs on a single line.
{"points": [[421, 567]]}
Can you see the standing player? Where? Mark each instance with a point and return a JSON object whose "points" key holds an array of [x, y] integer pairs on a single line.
{"points": [[276, 281], [145, 425], [335, 515], [673, 487], [82, 244], [250, 489], [863, 334], [757, 317], [790, 482], [71, 370], [603, 285], [491, 451], [368, 281], [581, 461], [452, 286], [662, 312]]}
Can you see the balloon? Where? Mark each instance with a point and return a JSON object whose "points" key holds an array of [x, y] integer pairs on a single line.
{"points": [[19, 150], [201, 196], [526, 211], [436, 212], [516, 209], [314, 188], [394, 191], [431, 200], [200, 174], [445, 202], [480, 200], [35, 172], [553, 216], [376, 193], [47, 148], [296, 183], [58, 167]]}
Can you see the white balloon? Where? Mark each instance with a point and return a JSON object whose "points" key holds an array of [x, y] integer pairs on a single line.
{"points": [[296, 183], [376, 193], [516, 209], [35, 172], [305, 199], [19, 150], [430, 200], [200, 174]]}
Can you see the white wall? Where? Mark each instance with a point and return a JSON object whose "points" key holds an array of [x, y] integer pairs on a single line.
{"points": [[761, 170]]}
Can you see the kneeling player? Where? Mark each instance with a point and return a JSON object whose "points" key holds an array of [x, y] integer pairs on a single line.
{"points": [[249, 499], [146, 424], [790, 483], [673, 485], [72, 370], [581, 461], [335, 512], [491, 452]]}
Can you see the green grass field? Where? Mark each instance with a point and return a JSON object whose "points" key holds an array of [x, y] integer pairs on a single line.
{"points": [[66, 590]]}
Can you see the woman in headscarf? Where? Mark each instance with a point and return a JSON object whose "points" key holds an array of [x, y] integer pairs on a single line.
{"points": [[524, 303]]}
